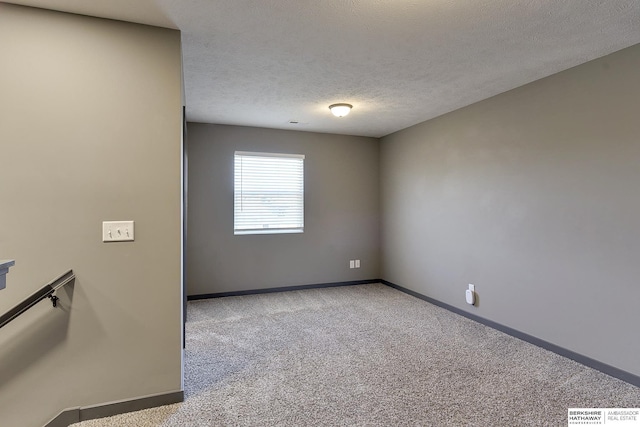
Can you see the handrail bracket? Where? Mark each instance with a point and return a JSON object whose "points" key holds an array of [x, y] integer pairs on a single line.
{"points": [[54, 300]]}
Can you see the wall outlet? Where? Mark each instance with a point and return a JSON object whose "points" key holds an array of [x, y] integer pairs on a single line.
{"points": [[117, 231], [470, 294], [352, 264], [357, 263]]}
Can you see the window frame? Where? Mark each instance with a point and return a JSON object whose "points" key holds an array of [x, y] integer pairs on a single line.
{"points": [[296, 194]]}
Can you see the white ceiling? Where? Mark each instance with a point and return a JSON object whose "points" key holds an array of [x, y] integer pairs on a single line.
{"points": [[399, 62]]}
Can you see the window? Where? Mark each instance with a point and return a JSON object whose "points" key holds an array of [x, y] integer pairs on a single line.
{"points": [[268, 193]]}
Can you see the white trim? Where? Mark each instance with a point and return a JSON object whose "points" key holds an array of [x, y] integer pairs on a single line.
{"points": [[268, 193], [257, 154], [269, 231]]}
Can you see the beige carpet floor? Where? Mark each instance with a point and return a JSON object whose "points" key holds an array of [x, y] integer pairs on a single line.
{"points": [[366, 355]]}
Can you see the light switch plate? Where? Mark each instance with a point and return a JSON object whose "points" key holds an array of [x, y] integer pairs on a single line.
{"points": [[117, 231]]}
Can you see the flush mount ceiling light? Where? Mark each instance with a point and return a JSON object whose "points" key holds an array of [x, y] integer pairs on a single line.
{"points": [[340, 110]]}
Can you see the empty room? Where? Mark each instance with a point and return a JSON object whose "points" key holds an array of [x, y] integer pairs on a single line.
{"points": [[292, 213]]}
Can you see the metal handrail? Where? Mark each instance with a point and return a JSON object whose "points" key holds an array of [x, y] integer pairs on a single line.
{"points": [[47, 291]]}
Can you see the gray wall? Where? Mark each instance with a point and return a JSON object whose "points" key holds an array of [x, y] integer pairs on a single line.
{"points": [[532, 196], [341, 212], [90, 130]]}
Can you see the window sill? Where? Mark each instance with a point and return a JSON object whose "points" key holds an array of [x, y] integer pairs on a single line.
{"points": [[269, 231]]}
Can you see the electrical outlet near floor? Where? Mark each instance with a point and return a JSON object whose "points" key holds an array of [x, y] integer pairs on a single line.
{"points": [[470, 294], [354, 263]]}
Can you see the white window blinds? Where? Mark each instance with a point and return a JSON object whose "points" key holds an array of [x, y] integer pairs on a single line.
{"points": [[268, 193]]}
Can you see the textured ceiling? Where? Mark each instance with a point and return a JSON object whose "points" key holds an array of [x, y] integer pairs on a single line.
{"points": [[399, 62]]}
